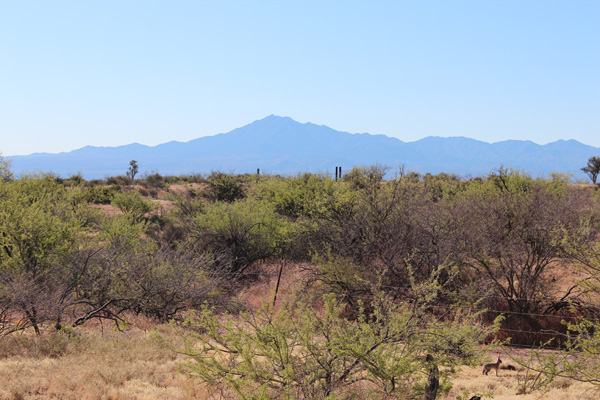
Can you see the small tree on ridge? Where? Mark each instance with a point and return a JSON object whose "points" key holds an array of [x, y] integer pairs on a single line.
{"points": [[592, 169], [133, 169]]}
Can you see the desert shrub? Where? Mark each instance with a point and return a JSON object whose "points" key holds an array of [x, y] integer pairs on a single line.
{"points": [[6, 173], [98, 195], [442, 186], [115, 188], [225, 187], [171, 232], [239, 234], [178, 225], [132, 272], [504, 235], [514, 233], [132, 203], [412, 177], [305, 353], [119, 180], [155, 180], [305, 195], [95, 182], [373, 226], [41, 229], [168, 281], [74, 180], [60, 265], [364, 176], [578, 359], [350, 281], [171, 179], [189, 204], [195, 178]]}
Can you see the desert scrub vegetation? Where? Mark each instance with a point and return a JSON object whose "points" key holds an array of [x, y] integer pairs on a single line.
{"points": [[73, 253], [225, 187], [301, 352], [577, 359], [61, 260]]}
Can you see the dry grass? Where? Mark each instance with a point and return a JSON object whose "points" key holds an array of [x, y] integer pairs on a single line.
{"points": [[292, 279], [512, 384], [101, 363], [508, 384], [95, 363], [98, 362]]}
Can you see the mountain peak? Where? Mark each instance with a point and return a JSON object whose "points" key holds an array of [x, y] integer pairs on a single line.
{"points": [[279, 144], [271, 119], [270, 126]]}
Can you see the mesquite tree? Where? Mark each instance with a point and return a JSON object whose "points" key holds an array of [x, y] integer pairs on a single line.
{"points": [[592, 169]]}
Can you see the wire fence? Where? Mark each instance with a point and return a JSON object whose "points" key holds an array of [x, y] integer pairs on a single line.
{"points": [[567, 314]]}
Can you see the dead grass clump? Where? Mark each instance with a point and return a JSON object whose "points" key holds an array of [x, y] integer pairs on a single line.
{"points": [[49, 345], [95, 364]]}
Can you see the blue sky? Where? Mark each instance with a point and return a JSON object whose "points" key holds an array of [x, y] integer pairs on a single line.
{"points": [[109, 73]]}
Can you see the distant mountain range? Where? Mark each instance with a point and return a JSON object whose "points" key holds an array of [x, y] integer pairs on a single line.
{"points": [[281, 145]]}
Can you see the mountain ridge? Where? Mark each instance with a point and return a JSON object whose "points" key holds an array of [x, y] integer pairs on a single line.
{"points": [[281, 145]]}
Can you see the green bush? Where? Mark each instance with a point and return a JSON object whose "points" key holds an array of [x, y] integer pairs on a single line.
{"points": [[98, 195], [132, 203], [240, 233], [304, 195], [41, 233], [300, 352], [155, 181], [74, 180], [119, 180], [6, 173], [365, 176], [225, 187]]}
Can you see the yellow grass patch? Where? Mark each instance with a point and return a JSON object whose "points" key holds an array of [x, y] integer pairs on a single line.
{"points": [[506, 386], [98, 365]]}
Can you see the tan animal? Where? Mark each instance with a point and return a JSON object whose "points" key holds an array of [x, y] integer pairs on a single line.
{"points": [[488, 367]]}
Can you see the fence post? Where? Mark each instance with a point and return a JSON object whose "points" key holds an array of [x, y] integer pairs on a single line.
{"points": [[278, 281]]}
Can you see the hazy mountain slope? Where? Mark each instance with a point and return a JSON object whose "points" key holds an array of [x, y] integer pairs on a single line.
{"points": [[281, 145]]}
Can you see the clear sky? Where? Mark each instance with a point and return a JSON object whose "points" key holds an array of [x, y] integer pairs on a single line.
{"points": [[108, 73]]}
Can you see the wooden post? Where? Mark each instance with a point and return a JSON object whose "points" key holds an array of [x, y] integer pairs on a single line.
{"points": [[340, 172], [278, 281], [257, 171], [336, 173]]}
